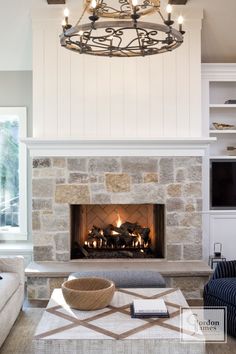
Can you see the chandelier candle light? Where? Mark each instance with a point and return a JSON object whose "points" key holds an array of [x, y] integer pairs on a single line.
{"points": [[124, 35]]}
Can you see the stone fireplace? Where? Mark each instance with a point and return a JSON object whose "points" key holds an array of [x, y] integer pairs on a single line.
{"points": [[60, 182]]}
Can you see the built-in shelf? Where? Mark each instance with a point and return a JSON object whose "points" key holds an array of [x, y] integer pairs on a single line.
{"points": [[220, 211], [222, 105], [222, 157], [223, 131], [218, 91]]}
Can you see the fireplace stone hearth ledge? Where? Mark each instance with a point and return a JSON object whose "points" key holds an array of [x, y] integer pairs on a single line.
{"points": [[189, 276]]}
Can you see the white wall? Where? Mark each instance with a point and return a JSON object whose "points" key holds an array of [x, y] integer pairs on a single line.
{"points": [[84, 96], [16, 35], [16, 91]]}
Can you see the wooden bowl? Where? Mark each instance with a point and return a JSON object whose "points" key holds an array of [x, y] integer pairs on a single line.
{"points": [[88, 293]]}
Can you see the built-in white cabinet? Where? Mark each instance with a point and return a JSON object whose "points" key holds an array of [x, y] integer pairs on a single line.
{"points": [[219, 86], [223, 230]]}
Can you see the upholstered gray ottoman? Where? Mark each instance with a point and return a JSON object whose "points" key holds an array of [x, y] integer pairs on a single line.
{"points": [[126, 278]]}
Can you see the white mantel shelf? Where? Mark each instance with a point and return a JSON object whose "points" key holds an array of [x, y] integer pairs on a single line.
{"points": [[118, 147]]}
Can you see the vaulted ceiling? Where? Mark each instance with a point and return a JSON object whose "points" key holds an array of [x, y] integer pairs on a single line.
{"points": [[218, 34], [218, 30]]}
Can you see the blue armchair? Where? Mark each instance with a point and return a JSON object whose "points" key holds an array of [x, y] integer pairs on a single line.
{"points": [[221, 291]]}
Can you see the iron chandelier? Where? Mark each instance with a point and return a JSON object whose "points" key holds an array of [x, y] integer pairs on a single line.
{"points": [[124, 35]]}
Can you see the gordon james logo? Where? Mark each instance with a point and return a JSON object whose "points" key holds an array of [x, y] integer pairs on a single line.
{"points": [[203, 324]]}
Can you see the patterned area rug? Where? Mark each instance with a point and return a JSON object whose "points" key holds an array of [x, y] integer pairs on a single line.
{"points": [[19, 340]]}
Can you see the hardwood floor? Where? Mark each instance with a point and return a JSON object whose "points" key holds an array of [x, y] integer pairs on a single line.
{"points": [[195, 302], [211, 348], [35, 303], [224, 348]]}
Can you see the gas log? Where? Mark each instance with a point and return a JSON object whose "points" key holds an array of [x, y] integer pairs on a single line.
{"points": [[127, 235]]}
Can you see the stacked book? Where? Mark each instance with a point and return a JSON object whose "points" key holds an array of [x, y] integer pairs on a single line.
{"points": [[149, 308]]}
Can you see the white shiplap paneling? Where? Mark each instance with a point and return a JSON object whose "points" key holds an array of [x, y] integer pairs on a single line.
{"points": [[130, 97], [182, 90], [51, 81], [156, 95], [38, 80], [143, 97], [170, 89], [103, 96], [195, 82], [90, 95], [85, 96], [65, 92], [117, 97], [77, 103]]}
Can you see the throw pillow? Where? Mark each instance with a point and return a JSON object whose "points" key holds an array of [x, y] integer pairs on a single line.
{"points": [[226, 269]]}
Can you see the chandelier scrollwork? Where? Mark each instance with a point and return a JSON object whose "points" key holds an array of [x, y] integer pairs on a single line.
{"points": [[122, 38], [123, 8]]}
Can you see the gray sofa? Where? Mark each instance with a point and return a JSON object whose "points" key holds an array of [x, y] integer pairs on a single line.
{"points": [[126, 278], [11, 292]]}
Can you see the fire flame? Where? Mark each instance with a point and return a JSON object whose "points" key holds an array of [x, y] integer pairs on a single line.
{"points": [[119, 221]]}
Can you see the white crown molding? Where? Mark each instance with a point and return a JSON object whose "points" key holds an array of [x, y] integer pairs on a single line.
{"points": [[120, 147], [219, 71]]}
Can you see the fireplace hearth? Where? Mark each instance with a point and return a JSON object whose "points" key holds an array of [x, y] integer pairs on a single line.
{"points": [[117, 231]]}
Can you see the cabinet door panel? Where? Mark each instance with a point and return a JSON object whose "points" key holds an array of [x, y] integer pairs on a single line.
{"points": [[223, 230]]}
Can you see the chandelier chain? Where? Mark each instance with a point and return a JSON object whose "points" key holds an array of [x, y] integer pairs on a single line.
{"points": [[159, 12], [82, 15]]}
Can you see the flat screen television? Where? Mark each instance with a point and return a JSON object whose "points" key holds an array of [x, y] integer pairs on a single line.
{"points": [[223, 184]]}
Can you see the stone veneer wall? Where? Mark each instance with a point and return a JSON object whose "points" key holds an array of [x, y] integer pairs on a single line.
{"points": [[191, 286], [59, 181]]}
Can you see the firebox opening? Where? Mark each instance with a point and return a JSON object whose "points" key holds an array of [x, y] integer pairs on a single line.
{"points": [[117, 231]]}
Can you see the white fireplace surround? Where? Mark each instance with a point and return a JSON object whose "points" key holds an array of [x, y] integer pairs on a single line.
{"points": [[194, 146]]}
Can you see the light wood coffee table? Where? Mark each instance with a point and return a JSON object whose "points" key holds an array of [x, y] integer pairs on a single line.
{"points": [[112, 330]]}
